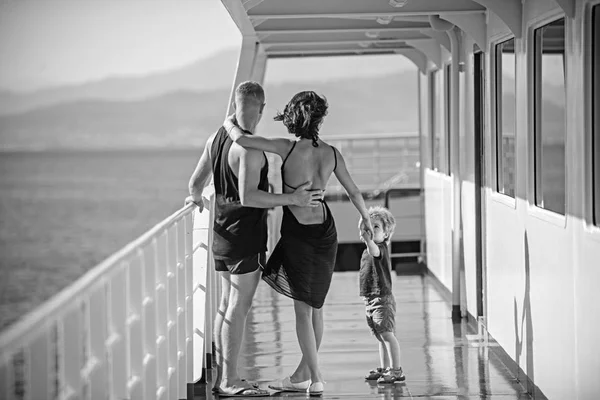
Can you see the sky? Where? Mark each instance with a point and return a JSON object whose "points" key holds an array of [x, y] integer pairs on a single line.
{"points": [[54, 42], [50, 43]]}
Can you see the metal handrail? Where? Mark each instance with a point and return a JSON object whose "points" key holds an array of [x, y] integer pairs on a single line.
{"points": [[406, 192], [125, 329], [37, 317]]}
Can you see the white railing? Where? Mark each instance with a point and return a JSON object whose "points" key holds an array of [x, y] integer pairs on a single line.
{"points": [[127, 329], [376, 161]]}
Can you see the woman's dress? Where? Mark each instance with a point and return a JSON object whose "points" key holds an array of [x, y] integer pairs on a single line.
{"points": [[302, 263]]}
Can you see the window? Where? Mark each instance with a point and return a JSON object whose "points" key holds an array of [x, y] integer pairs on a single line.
{"points": [[549, 111], [448, 97], [438, 141], [505, 117], [433, 111], [596, 114]]}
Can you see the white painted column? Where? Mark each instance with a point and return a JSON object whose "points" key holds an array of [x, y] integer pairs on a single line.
{"points": [[456, 181], [260, 65], [245, 66]]}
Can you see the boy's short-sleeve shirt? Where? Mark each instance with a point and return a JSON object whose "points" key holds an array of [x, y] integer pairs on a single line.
{"points": [[375, 273]]}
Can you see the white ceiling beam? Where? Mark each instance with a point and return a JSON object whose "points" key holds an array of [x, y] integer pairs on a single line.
{"points": [[568, 7], [509, 11], [250, 4], [473, 25], [349, 30], [430, 48], [342, 42], [301, 52], [257, 22], [441, 37], [417, 58], [240, 17], [361, 15]]}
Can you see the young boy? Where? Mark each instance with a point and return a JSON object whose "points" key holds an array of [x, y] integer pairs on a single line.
{"points": [[376, 288]]}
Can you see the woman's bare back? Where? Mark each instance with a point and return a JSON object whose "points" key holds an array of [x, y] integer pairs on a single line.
{"points": [[308, 163]]}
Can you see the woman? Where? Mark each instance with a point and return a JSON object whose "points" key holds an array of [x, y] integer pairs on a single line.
{"points": [[302, 263]]}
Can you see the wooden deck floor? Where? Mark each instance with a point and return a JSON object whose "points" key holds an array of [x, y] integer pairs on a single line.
{"points": [[439, 360]]}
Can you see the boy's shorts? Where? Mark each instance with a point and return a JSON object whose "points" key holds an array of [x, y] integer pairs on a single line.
{"points": [[381, 314], [243, 266]]}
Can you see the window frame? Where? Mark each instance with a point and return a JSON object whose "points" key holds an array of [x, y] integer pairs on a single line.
{"points": [[535, 59], [592, 140], [496, 73], [432, 116], [448, 116]]}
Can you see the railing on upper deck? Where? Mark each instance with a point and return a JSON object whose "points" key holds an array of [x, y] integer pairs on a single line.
{"points": [[379, 161], [126, 329]]}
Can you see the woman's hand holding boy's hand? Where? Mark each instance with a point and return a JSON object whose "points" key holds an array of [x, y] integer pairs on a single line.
{"points": [[364, 224], [365, 235]]}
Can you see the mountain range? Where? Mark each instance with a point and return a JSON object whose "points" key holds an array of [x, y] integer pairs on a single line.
{"points": [[181, 108]]}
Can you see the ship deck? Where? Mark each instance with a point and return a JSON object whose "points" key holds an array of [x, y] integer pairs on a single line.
{"points": [[441, 360]]}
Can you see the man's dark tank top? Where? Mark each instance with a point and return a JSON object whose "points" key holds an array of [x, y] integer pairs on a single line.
{"points": [[238, 231]]}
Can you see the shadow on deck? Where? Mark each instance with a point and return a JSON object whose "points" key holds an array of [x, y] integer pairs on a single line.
{"points": [[439, 360]]}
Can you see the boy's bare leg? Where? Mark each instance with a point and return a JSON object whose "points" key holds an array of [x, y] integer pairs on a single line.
{"points": [[218, 328], [241, 293], [302, 373], [391, 343], [306, 338], [384, 357]]}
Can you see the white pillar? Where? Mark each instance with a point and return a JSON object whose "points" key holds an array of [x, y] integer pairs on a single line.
{"points": [[245, 66], [260, 65], [455, 169]]}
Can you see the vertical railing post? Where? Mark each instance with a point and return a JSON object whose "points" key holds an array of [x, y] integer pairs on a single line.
{"points": [[38, 383], [189, 304], [150, 322], [117, 342], [5, 381], [162, 318], [171, 280], [97, 333], [179, 230], [135, 326], [201, 291], [212, 295]]}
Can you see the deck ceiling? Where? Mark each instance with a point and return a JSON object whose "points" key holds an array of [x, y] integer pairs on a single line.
{"points": [[295, 28]]}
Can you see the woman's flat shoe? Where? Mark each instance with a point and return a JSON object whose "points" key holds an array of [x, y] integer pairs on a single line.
{"points": [[286, 385], [316, 389]]}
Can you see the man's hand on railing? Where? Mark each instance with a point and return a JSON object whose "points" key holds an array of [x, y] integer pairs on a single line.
{"points": [[199, 203]]}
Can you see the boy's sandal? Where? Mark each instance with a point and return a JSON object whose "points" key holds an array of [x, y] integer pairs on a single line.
{"points": [[375, 374], [392, 376]]}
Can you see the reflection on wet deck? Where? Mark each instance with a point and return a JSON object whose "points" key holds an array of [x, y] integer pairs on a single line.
{"points": [[438, 359]]}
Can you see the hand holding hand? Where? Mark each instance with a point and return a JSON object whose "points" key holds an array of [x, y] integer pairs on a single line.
{"points": [[305, 197], [365, 235], [364, 224]]}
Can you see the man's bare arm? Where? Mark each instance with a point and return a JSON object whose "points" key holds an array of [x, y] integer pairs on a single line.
{"points": [[201, 175], [251, 162]]}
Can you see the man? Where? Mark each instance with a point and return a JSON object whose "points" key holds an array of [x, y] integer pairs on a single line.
{"points": [[240, 229]]}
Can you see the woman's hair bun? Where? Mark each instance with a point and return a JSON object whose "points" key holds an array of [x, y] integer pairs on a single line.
{"points": [[304, 114]]}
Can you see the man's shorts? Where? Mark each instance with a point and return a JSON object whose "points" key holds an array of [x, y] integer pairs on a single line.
{"points": [[243, 266], [381, 314]]}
